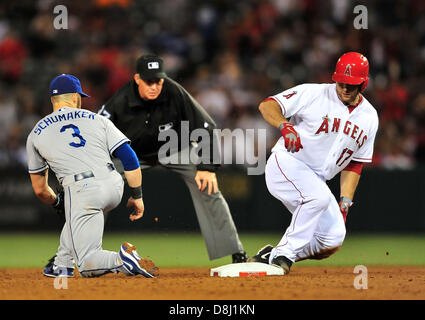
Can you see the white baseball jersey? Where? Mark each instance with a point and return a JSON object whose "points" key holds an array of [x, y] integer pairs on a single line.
{"points": [[331, 135], [71, 141]]}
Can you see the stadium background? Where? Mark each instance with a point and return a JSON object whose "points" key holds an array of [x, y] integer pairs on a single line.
{"points": [[229, 55]]}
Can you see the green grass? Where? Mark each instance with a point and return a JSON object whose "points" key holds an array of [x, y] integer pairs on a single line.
{"points": [[188, 249]]}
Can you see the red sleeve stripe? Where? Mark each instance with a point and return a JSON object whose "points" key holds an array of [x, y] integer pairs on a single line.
{"points": [[354, 166], [281, 104], [278, 101]]}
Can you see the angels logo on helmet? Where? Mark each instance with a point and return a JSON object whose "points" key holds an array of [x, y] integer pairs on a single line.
{"points": [[352, 68]]}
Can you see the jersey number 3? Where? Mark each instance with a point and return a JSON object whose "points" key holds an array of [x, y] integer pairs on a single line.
{"points": [[75, 134]]}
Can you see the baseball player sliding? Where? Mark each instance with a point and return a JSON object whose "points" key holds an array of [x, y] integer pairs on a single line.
{"points": [[77, 146], [326, 129]]}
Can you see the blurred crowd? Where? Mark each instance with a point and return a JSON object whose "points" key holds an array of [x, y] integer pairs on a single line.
{"points": [[229, 55]]}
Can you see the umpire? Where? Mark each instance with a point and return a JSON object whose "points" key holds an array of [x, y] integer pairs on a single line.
{"points": [[152, 103]]}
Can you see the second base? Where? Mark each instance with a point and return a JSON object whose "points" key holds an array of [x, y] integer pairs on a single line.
{"points": [[247, 269]]}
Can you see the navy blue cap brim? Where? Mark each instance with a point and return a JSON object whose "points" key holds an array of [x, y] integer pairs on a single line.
{"points": [[84, 95]]}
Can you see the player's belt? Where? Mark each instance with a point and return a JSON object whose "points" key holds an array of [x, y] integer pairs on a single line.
{"points": [[86, 174], [83, 175], [90, 174]]}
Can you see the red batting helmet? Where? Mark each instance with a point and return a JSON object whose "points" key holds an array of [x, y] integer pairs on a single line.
{"points": [[352, 68]]}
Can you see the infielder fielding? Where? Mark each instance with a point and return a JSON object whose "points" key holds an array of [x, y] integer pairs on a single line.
{"points": [[77, 145], [326, 129], [145, 106]]}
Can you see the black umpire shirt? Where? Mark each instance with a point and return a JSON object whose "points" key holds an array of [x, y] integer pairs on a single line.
{"points": [[142, 120]]}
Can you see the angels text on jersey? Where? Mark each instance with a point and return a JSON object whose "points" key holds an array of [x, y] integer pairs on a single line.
{"points": [[349, 129]]}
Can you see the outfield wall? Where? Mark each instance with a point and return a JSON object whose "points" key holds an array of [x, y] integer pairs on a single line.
{"points": [[386, 201]]}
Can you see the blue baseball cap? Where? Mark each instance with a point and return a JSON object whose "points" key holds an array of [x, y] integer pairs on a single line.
{"points": [[66, 83]]}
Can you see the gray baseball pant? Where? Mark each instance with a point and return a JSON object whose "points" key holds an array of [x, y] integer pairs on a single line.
{"points": [[86, 202]]}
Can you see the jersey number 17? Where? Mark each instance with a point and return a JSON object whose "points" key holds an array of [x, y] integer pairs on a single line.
{"points": [[340, 160]]}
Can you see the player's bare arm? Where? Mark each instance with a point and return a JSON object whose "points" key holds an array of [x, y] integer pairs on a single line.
{"points": [[134, 180], [272, 113], [41, 187], [206, 179], [349, 181], [348, 184], [133, 175]]}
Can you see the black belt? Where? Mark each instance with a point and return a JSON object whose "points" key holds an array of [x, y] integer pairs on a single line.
{"points": [[90, 174]]}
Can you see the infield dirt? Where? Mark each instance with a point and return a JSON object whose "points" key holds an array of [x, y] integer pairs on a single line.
{"points": [[304, 283]]}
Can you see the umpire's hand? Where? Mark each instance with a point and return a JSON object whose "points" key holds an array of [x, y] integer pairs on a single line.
{"points": [[206, 179]]}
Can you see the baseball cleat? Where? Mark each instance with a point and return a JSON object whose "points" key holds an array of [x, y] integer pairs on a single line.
{"points": [[239, 257], [262, 255], [283, 262], [134, 264], [54, 271]]}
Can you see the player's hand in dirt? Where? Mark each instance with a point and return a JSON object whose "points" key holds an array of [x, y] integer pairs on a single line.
{"points": [[206, 179], [139, 208]]}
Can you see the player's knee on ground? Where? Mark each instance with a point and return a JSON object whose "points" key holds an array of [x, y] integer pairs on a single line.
{"points": [[85, 271], [86, 274], [88, 269]]}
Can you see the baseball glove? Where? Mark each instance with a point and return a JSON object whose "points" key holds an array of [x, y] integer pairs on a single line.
{"points": [[59, 205]]}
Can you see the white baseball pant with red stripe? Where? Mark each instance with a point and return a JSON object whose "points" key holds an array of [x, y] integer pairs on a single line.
{"points": [[317, 227]]}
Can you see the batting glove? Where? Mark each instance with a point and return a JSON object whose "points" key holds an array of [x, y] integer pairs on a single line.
{"points": [[292, 138], [344, 204]]}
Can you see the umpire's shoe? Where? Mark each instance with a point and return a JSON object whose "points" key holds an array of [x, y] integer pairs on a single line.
{"points": [[134, 264], [239, 257], [53, 271], [283, 262], [262, 255]]}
